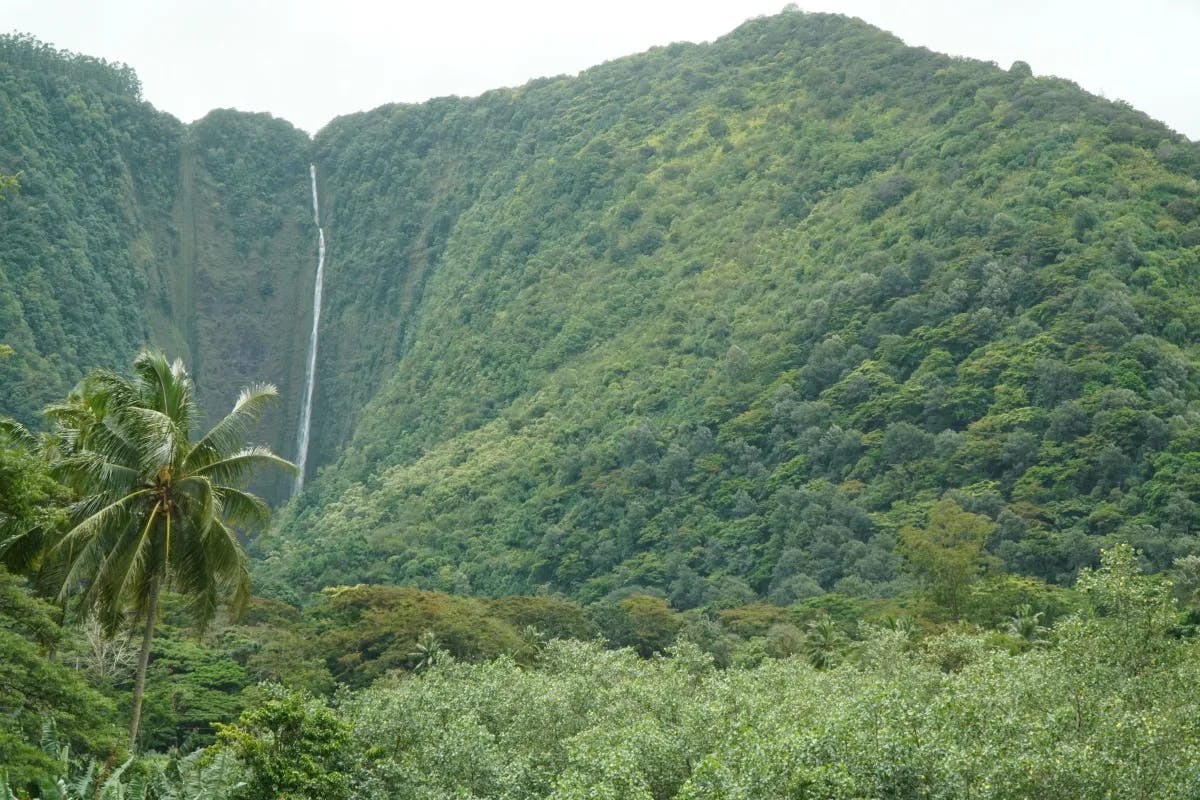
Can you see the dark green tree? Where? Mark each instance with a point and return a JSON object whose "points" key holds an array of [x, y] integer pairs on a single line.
{"points": [[293, 746], [36, 691], [31, 501]]}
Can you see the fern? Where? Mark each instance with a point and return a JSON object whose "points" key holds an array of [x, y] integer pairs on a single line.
{"points": [[200, 775]]}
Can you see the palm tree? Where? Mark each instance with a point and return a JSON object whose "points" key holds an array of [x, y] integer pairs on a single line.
{"points": [[157, 510], [1027, 625], [824, 643]]}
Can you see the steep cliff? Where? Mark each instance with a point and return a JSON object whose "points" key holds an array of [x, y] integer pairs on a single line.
{"points": [[129, 229]]}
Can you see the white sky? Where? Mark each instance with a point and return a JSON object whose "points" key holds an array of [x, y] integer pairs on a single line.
{"points": [[309, 61]]}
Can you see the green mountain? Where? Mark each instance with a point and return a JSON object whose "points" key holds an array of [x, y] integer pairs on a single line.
{"points": [[131, 228], [716, 320]]}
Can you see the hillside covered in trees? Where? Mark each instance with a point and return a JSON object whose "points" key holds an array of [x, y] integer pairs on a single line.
{"points": [[721, 320], [714, 320], [128, 228], [808, 372]]}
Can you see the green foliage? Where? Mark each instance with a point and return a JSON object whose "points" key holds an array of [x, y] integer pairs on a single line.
{"points": [[694, 330], [553, 617], [8, 184], [200, 775], [275, 644], [647, 624], [71, 285], [191, 687], [290, 745], [35, 690], [157, 507], [1101, 704], [717, 322], [948, 552], [1134, 614], [31, 501], [993, 599], [195, 776], [957, 714], [371, 630]]}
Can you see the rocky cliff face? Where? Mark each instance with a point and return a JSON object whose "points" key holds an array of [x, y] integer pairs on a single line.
{"points": [[130, 229]]}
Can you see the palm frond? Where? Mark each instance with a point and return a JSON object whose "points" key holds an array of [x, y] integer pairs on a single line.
{"points": [[237, 584], [196, 500], [86, 545], [90, 471], [243, 508], [166, 386], [235, 468], [208, 565], [126, 573], [78, 578], [159, 440], [84, 424], [18, 434], [95, 514], [229, 433], [103, 391], [21, 547]]}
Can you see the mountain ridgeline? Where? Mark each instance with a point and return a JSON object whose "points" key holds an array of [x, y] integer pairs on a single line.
{"points": [[130, 228], [715, 320]]}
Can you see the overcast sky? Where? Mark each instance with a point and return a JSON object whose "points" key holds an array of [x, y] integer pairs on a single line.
{"points": [[309, 61]]}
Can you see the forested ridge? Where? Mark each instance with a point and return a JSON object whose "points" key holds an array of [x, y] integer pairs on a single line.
{"points": [[130, 228], [716, 320], [800, 414], [719, 320]]}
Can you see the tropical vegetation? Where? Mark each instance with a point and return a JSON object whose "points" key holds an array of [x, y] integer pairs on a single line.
{"points": [[801, 414], [157, 510]]}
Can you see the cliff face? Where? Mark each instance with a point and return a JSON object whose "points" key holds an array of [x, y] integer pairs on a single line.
{"points": [[243, 264], [130, 229]]}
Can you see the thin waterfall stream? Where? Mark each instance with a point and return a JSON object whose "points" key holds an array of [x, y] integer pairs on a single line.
{"points": [[310, 372]]}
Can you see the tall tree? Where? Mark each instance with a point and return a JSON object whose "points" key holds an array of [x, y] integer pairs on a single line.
{"points": [[157, 509], [948, 552]]}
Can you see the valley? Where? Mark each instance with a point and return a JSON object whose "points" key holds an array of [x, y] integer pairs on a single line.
{"points": [[776, 360]]}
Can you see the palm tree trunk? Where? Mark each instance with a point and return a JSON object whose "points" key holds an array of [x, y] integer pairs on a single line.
{"points": [[139, 686]]}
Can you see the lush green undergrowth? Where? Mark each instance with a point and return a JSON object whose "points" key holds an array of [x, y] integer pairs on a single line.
{"points": [[1100, 705]]}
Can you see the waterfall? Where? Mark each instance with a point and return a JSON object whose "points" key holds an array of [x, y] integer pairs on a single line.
{"points": [[310, 372], [312, 175]]}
